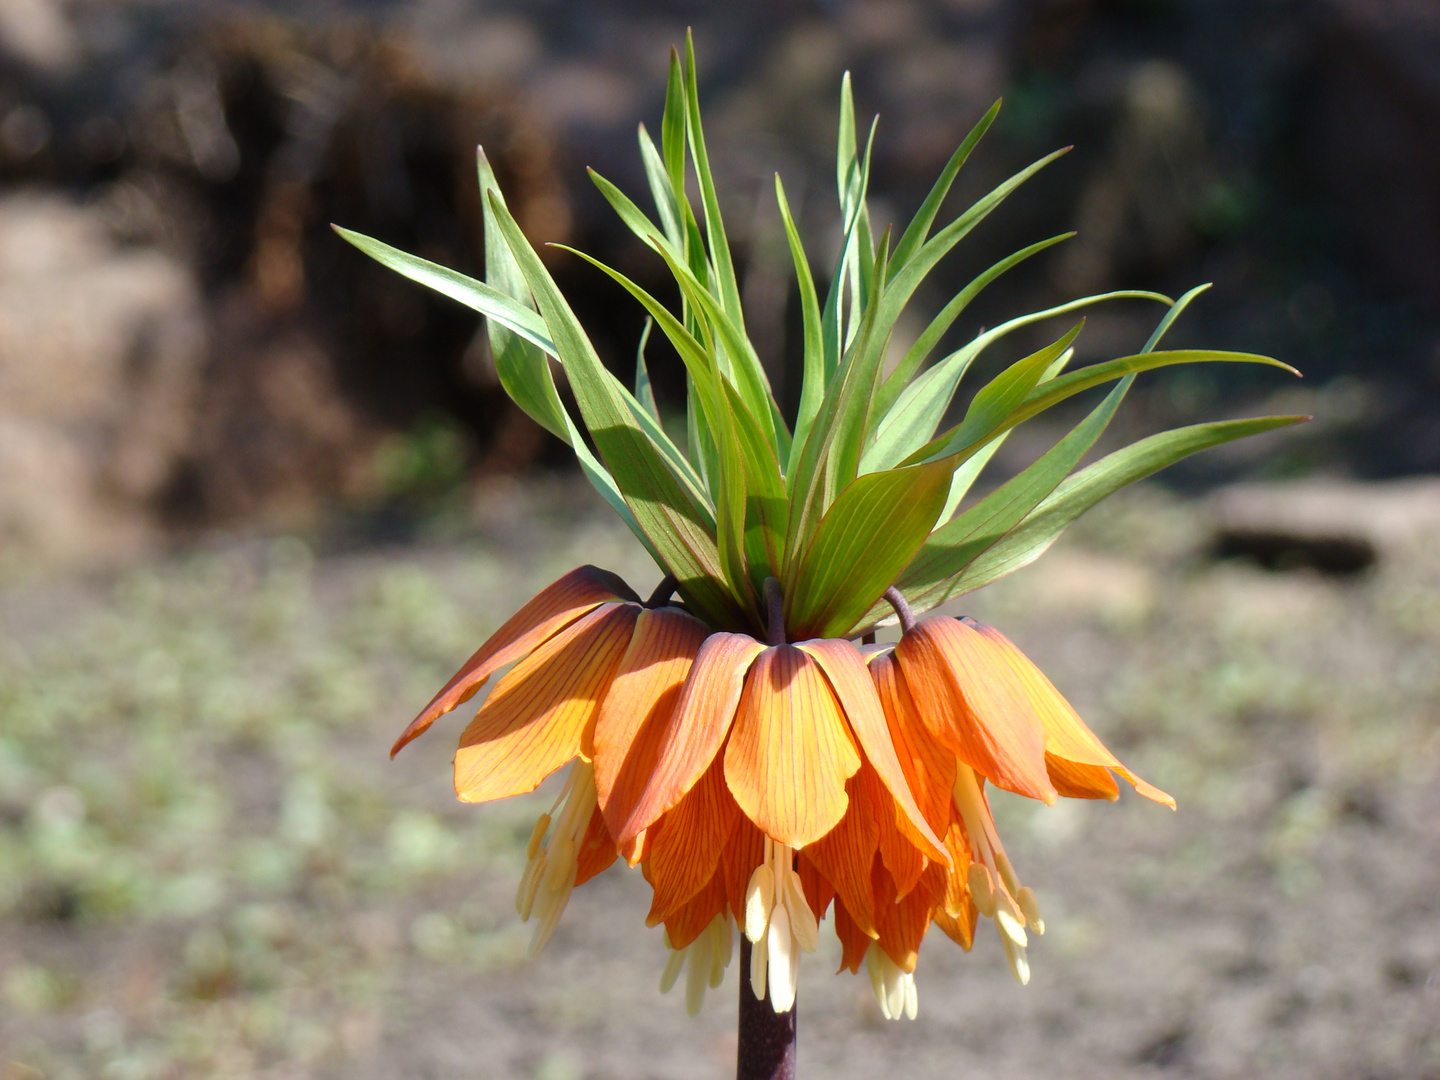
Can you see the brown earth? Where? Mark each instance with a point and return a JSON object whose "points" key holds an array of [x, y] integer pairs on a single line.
{"points": [[208, 868]]}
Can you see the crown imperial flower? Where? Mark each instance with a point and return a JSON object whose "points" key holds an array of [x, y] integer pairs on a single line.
{"points": [[728, 735]]}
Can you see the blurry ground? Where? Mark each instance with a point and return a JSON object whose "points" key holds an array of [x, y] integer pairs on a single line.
{"points": [[208, 868]]}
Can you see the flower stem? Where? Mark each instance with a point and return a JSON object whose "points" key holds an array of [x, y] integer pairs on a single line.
{"points": [[897, 600], [767, 1038], [663, 591], [775, 610]]}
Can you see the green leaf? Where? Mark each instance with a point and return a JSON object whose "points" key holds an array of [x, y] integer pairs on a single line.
{"points": [[720, 260], [476, 295], [660, 190], [910, 363], [679, 526], [644, 392], [521, 365], [1043, 525], [868, 535], [919, 227], [949, 549], [727, 482], [1057, 390], [767, 510], [812, 386], [923, 404], [672, 129]]}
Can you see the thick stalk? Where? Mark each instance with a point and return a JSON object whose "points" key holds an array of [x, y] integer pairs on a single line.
{"points": [[767, 1038]]}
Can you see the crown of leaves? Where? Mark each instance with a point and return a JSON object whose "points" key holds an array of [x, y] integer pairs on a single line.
{"points": [[862, 493]]}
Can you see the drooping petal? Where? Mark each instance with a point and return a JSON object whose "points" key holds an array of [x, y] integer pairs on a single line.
{"points": [[902, 923], [685, 924], [845, 667], [970, 698], [532, 722], [596, 851], [1066, 735], [551, 610], [790, 752], [819, 893], [854, 942], [697, 727], [685, 854], [956, 914], [928, 766], [744, 852], [844, 855], [639, 708], [1076, 781]]}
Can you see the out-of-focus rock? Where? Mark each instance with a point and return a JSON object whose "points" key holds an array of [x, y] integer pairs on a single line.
{"points": [[1333, 526], [101, 352]]}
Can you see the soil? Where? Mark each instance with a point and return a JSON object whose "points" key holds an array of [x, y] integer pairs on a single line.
{"points": [[210, 869]]}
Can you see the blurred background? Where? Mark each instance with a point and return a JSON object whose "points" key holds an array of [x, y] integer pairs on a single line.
{"points": [[258, 497]]}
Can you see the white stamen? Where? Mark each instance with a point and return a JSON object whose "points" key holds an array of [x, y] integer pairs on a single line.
{"points": [[759, 967], [551, 868], [759, 900], [893, 986], [1031, 907], [673, 965], [783, 968]]}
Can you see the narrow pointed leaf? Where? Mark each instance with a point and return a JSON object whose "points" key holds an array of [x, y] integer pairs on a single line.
{"points": [[679, 526], [1043, 525], [919, 227]]}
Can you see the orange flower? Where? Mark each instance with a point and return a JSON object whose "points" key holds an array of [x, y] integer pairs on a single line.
{"points": [[590, 663], [764, 742], [758, 785]]}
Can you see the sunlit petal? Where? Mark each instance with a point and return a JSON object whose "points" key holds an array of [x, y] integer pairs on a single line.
{"points": [[845, 667], [972, 702], [697, 728], [532, 722], [791, 751], [639, 708], [1066, 735], [552, 609]]}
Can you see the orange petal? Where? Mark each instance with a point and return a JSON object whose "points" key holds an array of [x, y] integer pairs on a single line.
{"points": [[639, 708], [686, 852], [685, 924], [928, 766], [956, 913], [818, 891], [1066, 735], [533, 720], [845, 667], [1077, 781], [853, 941], [597, 849], [697, 729], [902, 923], [744, 852], [971, 700], [790, 752], [552, 609], [844, 855]]}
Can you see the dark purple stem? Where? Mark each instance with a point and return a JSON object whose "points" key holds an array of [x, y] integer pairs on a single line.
{"points": [[775, 610], [663, 591], [902, 609], [767, 1038]]}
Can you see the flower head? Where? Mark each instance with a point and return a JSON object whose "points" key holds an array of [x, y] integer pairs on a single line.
{"points": [[735, 743]]}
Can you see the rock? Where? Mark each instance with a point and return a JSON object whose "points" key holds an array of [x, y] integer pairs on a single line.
{"points": [[1334, 526], [101, 349]]}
